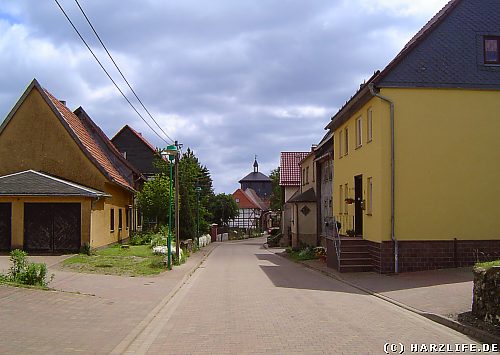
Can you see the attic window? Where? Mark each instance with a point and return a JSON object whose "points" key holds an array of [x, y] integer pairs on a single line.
{"points": [[491, 50]]}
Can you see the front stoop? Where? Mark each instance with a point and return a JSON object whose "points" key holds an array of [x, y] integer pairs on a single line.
{"points": [[355, 255]]}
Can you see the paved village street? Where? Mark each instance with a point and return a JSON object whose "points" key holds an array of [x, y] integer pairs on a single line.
{"points": [[242, 299]]}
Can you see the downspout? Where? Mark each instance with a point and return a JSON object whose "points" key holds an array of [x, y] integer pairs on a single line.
{"points": [[393, 234]]}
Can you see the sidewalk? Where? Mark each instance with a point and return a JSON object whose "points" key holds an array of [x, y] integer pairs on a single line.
{"points": [[93, 314], [440, 295]]}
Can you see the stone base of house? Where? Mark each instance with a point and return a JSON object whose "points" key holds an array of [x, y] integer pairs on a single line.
{"points": [[430, 255]]}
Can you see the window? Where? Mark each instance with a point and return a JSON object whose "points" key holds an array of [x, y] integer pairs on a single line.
{"points": [[341, 196], [346, 141], [369, 125], [307, 175], [341, 148], [346, 196], [369, 203], [127, 218], [359, 129], [491, 50], [112, 220], [237, 200], [120, 219], [303, 176]]}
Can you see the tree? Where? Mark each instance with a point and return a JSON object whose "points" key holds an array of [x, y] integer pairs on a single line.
{"points": [[192, 175], [153, 199], [277, 194], [223, 208]]}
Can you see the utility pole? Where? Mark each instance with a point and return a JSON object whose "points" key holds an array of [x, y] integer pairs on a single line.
{"points": [[177, 214]]}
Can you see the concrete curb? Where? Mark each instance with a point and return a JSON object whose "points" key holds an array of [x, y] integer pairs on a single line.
{"points": [[477, 334], [123, 346]]}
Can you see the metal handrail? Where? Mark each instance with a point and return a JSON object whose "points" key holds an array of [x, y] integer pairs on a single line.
{"points": [[331, 223]]}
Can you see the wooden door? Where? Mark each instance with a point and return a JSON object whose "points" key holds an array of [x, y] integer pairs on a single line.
{"points": [[52, 227], [358, 205], [5, 226]]}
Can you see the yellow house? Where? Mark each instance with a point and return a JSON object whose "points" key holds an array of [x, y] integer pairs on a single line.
{"points": [[63, 184], [417, 148]]}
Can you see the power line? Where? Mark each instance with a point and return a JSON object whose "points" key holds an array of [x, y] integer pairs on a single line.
{"points": [[121, 73], [105, 71]]}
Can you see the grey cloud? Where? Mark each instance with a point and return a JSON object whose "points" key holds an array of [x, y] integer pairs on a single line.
{"points": [[230, 68]]}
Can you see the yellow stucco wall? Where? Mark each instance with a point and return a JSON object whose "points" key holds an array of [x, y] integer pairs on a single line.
{"points": [[371, 160], [42, 143], [101, 233], [447, 165], [17, 218]]}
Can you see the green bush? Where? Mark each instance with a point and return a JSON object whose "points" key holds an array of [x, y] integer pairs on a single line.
{"points": [[87, 249], [158, 240], [141, 238], [19, 263], [27, 273]]}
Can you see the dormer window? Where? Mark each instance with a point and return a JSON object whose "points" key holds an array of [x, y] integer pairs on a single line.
{"points": [[491, 50]]}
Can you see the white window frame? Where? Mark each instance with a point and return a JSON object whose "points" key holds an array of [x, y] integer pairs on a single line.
{"points": [[346, 196], [359, 131], [346, 141], [369, 203], [369, 125], [341, 148], [341, 195]]}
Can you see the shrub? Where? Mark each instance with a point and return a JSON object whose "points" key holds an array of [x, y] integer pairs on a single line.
{"points": [[306, 253], [27, 273], [87, 249], [141, 238], [158, 240], [19, 263]]}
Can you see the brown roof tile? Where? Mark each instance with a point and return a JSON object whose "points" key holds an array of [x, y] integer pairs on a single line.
{"points": [[290, 168], [103, 156]]}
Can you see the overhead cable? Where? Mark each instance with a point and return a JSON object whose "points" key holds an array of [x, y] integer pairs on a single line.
{"points": [[119, 70], [108, 75]]}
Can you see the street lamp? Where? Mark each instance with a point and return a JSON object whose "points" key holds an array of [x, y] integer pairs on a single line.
{"points": [[171, 152], [198, 190]]}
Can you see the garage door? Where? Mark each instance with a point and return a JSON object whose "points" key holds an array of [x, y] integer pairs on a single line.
{"points": [[52, 227], [5, 226]]}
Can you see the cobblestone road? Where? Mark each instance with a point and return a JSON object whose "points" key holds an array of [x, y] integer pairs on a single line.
{"points": [[243, 299], [247, 300]]}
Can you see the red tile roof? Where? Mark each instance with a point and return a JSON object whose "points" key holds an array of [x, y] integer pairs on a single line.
{"points": [[263, 205], [96, 145], [290, 168], [243, 201]]}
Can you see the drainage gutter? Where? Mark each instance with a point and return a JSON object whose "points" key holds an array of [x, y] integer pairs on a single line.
{"points": [[393, 234]]}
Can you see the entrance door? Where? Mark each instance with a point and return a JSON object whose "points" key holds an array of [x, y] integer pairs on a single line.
{"points": [[52, 227], [358, 205], [5, 226]]}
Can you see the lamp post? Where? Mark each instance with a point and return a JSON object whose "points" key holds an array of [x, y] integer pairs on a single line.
{"points": [[198, 190], [171, 152]]}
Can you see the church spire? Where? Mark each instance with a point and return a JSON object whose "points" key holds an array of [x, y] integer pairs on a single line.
{"points": [[255, 165]]}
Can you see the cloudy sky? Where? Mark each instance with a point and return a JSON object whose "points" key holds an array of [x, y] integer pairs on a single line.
{"points": [[230, 79]]}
